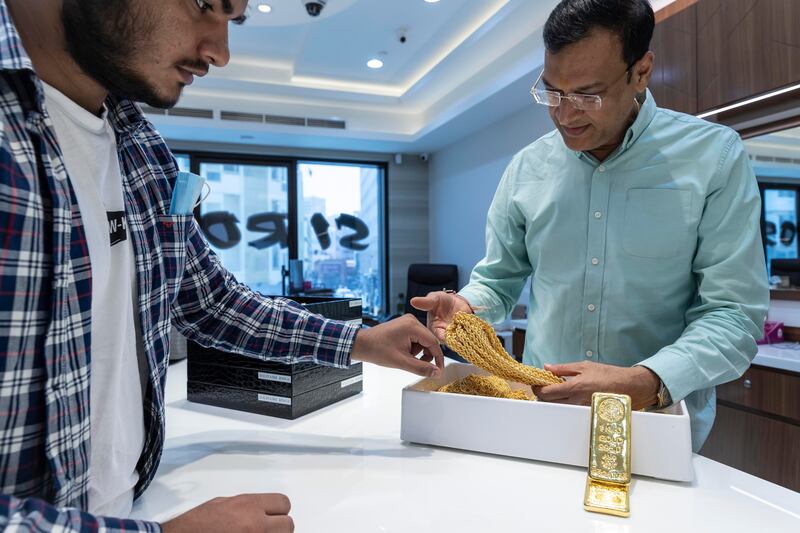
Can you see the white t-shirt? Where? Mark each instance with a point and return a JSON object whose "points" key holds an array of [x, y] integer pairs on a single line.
{"points": [[117, 419]]}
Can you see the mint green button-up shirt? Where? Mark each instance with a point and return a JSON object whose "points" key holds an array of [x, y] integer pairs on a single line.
{"points": [[651, 257]]}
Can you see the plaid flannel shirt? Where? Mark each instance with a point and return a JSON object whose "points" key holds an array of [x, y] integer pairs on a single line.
{"points": [[45, 304]]}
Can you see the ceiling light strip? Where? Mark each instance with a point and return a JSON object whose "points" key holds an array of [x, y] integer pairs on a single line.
{"points": [[749, 101]]}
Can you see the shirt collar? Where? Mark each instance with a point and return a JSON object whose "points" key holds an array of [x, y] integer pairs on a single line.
{"points": [[643, 120], [124, 115], [14, 58], [12, 55]]}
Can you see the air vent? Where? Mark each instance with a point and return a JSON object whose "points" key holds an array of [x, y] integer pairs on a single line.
{"points": [[153, 110], [190, 112], [238, 116], [179, 112], [286, 121], [241, 117], [771, 159], [322, 123]]}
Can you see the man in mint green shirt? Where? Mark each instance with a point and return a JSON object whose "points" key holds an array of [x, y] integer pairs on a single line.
{"points": [[638, 226]]}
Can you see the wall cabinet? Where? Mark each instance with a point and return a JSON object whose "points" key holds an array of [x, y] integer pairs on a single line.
{"points": [[757, 429], [717, 52], [745, 48], [674, 80]]}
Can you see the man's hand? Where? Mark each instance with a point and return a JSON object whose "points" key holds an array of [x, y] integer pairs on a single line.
{"points": [[441, 307], [586, 378], [246, 513], [397, 344]]}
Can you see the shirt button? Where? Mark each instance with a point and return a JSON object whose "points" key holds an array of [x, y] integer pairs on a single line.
{"points": [[35, 121], [598, 214], [602, 168], [595, 261], [591, 307], [589, 353]]}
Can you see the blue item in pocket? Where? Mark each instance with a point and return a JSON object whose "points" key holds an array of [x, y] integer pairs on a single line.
{"points": [[185, 193]]}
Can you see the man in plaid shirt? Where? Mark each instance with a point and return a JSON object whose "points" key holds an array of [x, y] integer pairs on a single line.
{"points": [[74, 146]]}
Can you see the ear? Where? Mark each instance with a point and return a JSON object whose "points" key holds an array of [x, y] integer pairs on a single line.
{"points": [[642, 71]]}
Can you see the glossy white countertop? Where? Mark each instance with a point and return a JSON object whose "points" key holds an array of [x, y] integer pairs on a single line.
{"points": [[346, 470], [785, 355]]}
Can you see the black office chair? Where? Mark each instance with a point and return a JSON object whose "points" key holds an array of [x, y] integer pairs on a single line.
{"points": [[427, 277]]}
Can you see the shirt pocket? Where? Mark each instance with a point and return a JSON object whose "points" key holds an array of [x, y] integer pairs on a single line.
{"points": [[172, 234], [657, 222]]}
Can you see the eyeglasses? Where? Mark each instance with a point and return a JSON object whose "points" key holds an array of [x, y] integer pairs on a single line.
{"points": [[583, 102]]}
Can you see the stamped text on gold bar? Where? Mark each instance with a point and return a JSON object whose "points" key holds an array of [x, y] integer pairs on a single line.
{"points": [[609, 455]]}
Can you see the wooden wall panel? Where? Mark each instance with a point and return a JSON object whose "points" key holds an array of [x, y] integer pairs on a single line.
{"points": [[745, 48], [674, 81], [672, 9], [709, 54], [784, 42]]}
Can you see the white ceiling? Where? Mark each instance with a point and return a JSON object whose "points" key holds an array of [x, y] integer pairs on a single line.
{"points": [[465, 64]]}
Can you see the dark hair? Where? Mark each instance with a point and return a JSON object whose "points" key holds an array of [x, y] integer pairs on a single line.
{"points": [[572, 20]]}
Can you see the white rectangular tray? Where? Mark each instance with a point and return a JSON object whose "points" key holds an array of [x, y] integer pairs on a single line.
{"points": [[661, 442]]}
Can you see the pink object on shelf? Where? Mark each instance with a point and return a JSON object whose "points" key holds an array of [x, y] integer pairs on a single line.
{"points": [[773, 332]]}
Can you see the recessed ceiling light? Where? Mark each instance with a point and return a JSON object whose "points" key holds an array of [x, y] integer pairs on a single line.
{"points": [[431, 1], [375, 63], [266, 8]]}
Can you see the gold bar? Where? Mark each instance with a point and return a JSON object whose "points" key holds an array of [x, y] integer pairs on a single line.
{"points": [[610, 439], [609, 455], [607, 498]]}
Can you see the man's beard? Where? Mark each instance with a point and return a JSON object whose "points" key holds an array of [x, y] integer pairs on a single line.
{"points": [[102, 37]]}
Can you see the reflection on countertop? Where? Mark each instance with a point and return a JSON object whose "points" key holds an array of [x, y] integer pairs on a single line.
{"points": [[783, 355]]}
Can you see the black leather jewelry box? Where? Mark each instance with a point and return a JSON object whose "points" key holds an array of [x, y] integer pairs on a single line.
{"points": [[271, 388]]}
